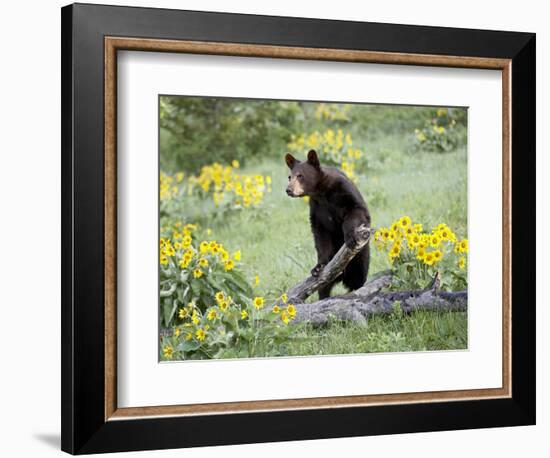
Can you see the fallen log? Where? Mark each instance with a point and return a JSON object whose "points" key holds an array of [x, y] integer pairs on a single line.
{"points": [[359, 305], [368, 300]]}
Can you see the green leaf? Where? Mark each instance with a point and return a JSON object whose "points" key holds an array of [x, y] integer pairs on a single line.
{"points": [[236, 278], [215, 283], [168, 308], [196, 287], [188, 345]]}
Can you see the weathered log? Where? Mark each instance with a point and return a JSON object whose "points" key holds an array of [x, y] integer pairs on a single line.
{"points": [[359, 305]]}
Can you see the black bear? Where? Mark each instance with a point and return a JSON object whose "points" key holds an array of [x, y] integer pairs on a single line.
{"points": [[336, 209]]}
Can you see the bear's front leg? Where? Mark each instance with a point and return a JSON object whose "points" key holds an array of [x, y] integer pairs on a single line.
{"points": [[352, 221], [324, 248], [317, 269]]}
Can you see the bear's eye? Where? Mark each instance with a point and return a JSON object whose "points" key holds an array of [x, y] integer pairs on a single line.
{"points": [[289, 178], [300, 176]]}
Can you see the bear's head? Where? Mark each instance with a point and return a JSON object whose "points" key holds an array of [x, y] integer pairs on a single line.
{"points": [[304, 177]]}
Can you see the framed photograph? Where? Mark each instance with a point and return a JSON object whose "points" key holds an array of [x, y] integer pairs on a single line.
{"points": [[284, 228]]}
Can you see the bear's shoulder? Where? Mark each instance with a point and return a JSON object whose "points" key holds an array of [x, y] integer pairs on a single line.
{"points": [[338, 186]]}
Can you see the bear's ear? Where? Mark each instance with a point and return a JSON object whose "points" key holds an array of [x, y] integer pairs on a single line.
{"points": [[312, 159], [290, 161]]}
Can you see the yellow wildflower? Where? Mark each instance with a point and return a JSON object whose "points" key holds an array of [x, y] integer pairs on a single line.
{"points": [[186, 242], [168, 351], [223, 305], [291, 310], [445, 234], [204, 247], [184, 262], [429, 259], [258, 302], [197, 273], [405, 222], [395, 249], [435, 241], [200, 334], [284, 317]]}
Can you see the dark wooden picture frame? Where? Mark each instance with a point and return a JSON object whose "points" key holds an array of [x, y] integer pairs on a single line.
{"points": [[91, 37]]}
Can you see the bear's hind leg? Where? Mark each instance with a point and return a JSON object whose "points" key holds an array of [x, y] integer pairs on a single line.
{"points": [[355, 274], [324, 292]]}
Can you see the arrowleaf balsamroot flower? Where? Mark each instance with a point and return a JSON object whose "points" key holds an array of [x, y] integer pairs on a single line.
{"points": [[167, 352], [291, 310], [198, 273], [258, 302]]}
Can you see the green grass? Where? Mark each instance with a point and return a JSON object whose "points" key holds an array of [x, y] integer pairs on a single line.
{"points": [[277, 244], [422, 331]]}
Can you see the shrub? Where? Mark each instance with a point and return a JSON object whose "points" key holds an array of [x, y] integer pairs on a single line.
{"points": [[443, 132], [192, 272], [208, 308], [415, 255], [230, 328], [332, 112], [221, 185], [227, 187]]}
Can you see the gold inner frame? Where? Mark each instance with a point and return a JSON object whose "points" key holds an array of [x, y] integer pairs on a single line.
{"points": [[112, 45]]}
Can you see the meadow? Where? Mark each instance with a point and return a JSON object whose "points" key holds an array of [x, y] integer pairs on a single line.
{"points": [[399, 173]]}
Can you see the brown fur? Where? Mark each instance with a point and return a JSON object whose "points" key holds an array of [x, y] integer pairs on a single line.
{"points": [[336, 208]]}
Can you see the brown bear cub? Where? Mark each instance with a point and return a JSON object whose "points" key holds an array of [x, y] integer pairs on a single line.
{"points": [[336, 208]]}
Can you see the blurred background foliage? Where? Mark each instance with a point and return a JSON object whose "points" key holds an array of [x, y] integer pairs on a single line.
{"points": [[199, 131], [196, 131]]}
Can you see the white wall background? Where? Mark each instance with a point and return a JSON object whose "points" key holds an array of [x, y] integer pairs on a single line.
{"points": [[30, 230]]}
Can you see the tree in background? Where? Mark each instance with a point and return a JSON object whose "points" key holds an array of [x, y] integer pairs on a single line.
{"points": [[197, 130]]}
